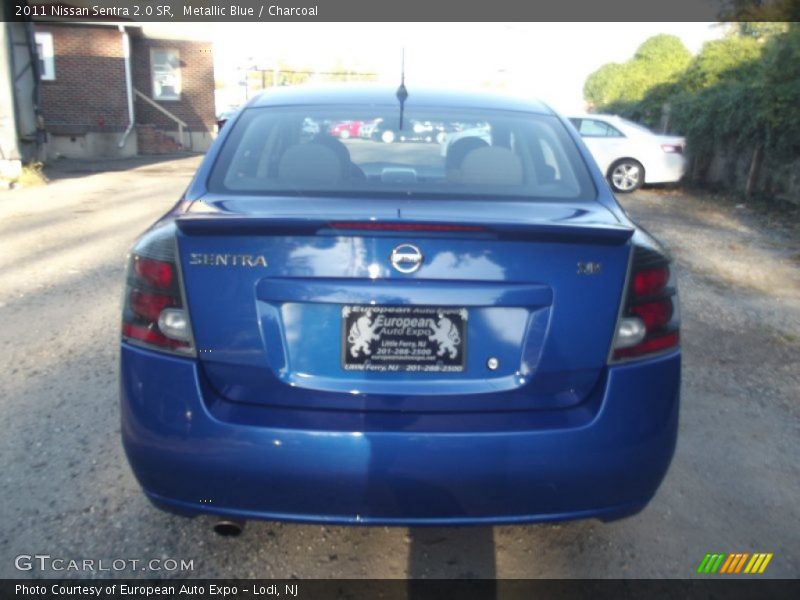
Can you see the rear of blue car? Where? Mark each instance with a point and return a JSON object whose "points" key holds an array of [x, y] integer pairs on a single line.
{"points": [[357, 331]]}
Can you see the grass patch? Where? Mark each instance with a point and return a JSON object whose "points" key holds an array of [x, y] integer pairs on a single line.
{"points": [[31, 176]]}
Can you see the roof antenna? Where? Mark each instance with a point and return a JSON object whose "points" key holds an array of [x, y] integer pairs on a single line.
{"points": [[402, 92]]}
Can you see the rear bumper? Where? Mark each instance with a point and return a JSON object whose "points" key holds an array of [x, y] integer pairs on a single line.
{"points": [[669, 168], [606, 462]]}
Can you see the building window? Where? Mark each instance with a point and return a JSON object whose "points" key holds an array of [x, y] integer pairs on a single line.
{"points": [[165, 66], [44, 50]]}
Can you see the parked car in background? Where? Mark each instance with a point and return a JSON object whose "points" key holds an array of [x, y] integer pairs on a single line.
{"points": [[310, 128], [364, 332], [345, 129], [387, 131], [367, 128], [481, 131], [629, 154]]}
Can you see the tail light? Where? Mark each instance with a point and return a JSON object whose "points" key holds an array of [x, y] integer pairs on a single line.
{"points": [[672, 148], [154, 313], [649, 319]]}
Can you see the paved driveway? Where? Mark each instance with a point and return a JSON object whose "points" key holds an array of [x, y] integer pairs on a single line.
{"points": [[67, 490]]}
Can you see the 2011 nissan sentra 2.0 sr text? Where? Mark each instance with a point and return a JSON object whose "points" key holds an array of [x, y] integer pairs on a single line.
{"points": [[405, 329]]}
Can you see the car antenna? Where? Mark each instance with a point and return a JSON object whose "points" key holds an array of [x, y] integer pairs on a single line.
{"points": [[402, 92]]}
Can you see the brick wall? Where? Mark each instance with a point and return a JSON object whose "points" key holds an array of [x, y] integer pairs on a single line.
{"points": [[88, 94], [196, 106]]}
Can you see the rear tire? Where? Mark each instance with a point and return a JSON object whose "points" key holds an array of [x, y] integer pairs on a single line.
{"points": [[626, 175]]}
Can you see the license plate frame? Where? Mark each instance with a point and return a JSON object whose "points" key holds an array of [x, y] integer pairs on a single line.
{"points": [[404, 339]]}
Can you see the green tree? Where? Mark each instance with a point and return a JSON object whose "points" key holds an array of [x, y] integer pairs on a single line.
{"points": [[664, 54], [780, 86], [722, 60], [658, 61], [604, 85]]}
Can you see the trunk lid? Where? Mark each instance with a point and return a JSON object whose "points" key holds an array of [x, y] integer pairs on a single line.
{"points": [[525, 294]]}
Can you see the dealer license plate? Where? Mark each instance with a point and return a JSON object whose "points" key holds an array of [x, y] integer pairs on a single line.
{"points": [[404, 338]]}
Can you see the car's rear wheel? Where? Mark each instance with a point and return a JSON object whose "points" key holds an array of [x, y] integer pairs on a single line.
{"points": [[626, 175]]}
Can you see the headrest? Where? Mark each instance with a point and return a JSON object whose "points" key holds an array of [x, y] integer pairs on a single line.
{"points": [[342, 153], [493, 165], [310, 162], [459, 149]]}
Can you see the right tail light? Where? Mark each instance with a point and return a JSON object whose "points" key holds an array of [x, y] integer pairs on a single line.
{"points": [[649, 321]]}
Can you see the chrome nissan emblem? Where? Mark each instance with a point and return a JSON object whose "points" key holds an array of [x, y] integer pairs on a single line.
{"points": [[406, 258]]}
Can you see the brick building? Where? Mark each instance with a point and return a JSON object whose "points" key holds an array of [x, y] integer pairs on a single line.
{"points": [[94, 77]]}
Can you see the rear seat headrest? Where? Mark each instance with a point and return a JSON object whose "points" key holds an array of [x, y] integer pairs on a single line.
{"points": [[310, 163], [493, 165]]}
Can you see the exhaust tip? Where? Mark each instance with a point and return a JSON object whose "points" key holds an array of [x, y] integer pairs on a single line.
{"points": [[229, 527]]}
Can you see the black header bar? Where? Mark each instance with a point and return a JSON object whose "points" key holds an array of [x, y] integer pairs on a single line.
{"points": [[401, 10]]}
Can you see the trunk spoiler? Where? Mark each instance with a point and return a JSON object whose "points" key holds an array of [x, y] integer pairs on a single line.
{"points": [[233, 225]]}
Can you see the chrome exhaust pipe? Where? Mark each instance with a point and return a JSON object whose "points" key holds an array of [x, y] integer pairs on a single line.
{"points": [[229, 527]]}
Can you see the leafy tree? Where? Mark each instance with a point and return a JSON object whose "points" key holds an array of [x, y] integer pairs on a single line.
{"points": [[780, 85], [604, 85], [754, 12], [719, 60], [761, 30], [665, 55], [659, 60]]}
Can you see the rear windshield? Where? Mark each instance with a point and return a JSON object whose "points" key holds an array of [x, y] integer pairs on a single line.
{"points": [[432, 153]]}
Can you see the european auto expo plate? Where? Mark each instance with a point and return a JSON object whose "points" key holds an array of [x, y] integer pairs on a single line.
{"points": [[404, 338]]}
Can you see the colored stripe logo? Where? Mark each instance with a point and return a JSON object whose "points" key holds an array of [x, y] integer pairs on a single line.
{"points": [[734, 563]]}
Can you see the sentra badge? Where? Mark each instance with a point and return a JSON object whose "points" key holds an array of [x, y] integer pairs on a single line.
{"points": [[227, 260]]}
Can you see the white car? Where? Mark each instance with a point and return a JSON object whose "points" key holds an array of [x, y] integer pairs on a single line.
{"points": [[629, 154], [446, 140]]}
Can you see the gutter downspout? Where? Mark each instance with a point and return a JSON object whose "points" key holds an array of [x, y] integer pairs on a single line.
{"points": [[126, 52], [36, 96]]}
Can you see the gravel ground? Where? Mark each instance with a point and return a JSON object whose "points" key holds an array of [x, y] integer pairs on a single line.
{"points": [[67, 490]]}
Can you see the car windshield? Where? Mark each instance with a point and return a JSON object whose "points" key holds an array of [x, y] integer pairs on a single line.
{"points": [[364, 151]]}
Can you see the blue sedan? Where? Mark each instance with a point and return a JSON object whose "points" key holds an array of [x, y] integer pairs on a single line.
{"points": [[353, 331]]}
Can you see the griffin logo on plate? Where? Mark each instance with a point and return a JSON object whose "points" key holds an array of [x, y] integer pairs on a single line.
{"points": [[445, 333], [361, 334]]}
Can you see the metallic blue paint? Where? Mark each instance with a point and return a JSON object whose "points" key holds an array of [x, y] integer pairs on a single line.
{"points": [[194, 452]]}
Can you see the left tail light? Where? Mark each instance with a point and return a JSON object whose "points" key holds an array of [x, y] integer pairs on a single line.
{"points": [[649, 322], [154, 313]]}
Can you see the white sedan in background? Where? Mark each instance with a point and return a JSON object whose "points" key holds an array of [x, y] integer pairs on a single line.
{"points": [[629, 154]]}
